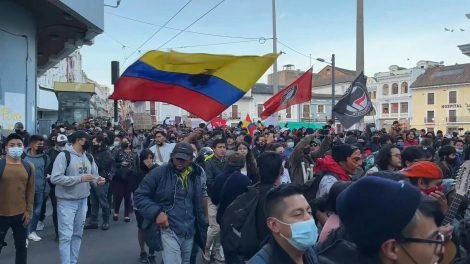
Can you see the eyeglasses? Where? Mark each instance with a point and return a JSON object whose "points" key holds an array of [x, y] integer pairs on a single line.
{"points": [[439, 243]]}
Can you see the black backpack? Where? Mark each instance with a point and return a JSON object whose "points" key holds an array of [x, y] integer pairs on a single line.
{"points": [[238, 225], [310, 188], [68, 157]]}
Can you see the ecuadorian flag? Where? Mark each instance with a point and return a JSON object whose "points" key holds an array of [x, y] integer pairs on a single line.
{"points": [[203, 84]]}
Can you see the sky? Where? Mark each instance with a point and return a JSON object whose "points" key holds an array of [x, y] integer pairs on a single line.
{"points": [[396, 32]]}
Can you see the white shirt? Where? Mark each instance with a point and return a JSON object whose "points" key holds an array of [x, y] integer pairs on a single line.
{"points": [[165, 151]]}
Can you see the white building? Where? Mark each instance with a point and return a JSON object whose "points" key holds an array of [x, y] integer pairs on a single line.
{"points": [[393, 93], [68, 69]]}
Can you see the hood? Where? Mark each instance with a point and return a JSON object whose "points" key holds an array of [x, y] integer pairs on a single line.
{"points": [[27, 151], [328, 164], [72, 151]]}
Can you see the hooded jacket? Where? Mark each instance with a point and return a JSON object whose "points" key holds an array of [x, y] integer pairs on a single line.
{"points": [[68, 180], [41, 163]]}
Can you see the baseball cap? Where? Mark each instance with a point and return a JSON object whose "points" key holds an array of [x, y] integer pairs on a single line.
{"points": [[182, 150], [423, 169], [79, 134], [61, 138]]}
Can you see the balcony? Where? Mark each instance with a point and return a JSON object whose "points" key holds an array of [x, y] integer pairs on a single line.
{"points": [[429, 120], [458, 119]]}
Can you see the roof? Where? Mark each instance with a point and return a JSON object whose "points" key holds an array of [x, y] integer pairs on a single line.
{"points": [[262, 88], [324, 96], [323, 77], [446, 75]]}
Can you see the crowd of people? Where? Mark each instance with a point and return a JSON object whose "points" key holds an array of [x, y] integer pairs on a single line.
{"points": [[277, 195]]}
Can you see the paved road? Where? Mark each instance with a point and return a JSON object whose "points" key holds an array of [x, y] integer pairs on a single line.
{"points": [[117, 245]]}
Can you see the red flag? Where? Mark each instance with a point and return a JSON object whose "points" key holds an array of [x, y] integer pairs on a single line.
{"points": [[297, 92], [219, 122]]}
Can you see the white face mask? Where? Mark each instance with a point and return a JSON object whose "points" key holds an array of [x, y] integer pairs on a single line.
{"points": [[15, 152], [290, 144]]}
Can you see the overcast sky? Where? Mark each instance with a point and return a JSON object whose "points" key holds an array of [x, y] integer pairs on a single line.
{"points": [[396, 31]]}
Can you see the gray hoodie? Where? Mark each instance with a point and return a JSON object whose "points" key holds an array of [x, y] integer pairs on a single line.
{"points": [[40, 162], [68, 180]]}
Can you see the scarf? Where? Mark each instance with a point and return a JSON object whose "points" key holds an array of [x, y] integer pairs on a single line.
{"points": [[328, 164]]}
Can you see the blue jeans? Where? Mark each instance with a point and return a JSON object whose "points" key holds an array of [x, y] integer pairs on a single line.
{"points": [[38, 197], [71, 215], [176, 249]]}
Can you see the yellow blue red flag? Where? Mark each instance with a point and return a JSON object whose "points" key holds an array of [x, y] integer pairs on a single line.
{"points": [[203, 84]]}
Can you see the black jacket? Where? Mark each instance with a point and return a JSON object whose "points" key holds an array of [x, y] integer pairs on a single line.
{"points": [[213, 167], [105, 163], [272, 253], [155, 194]]}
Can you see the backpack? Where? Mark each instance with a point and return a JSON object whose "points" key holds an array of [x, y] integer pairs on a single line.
{"points": [[238, 226], [27, 166], [310, 188], [68, 157]]}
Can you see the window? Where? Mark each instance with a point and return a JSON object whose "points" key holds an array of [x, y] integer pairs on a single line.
{"points": [[430, 98], [404, 87], [289, 112], [404, 107], [374, 95], [306, 111], [430, 117], [385, 89], [395, 88], [453, 97], [385, 109], [452, 115], [260, 109], [152, 108], [394, 107], [235, 112], [321, 109]]}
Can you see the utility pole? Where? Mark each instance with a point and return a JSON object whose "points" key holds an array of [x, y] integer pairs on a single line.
{"points": [[360, 37], [332, 87], [275, 77], [114, 78]]}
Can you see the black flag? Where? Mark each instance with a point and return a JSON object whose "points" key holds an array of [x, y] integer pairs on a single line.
{"points": [[354, 104]]}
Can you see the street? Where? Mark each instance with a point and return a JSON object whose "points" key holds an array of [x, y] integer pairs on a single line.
{"points": [[117, 245]]}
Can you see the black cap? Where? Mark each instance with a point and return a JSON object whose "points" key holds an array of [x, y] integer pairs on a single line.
{"points": [[79, 134], [183, 150]]}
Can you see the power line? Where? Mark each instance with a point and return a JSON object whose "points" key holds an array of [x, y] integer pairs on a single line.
{"points": [[158, 30], [185, 31], [194, 22], [217, 44], [294, 50]]}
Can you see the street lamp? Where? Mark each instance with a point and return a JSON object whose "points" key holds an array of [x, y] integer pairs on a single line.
{"points": [[332, 63]]}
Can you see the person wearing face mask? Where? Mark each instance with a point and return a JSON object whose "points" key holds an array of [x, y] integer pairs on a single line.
{"points": [[289, 149], [17, 188], [292, 227], [19, 129], [459, 145], [447, 163], [99, 193], [35, 154], [125, 162], [73, 171], [59, 145]]}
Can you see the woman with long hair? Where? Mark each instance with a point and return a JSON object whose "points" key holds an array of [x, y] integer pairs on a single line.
{"points": [[126, 161], [145, 166], [250, 168]]}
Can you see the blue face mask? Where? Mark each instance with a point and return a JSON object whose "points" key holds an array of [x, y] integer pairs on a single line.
{"points": [[304, 234], [15, 152]]}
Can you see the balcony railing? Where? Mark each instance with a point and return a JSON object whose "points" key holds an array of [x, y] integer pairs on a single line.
{"points": [[458, 119], [235, 115], [429, 120]]}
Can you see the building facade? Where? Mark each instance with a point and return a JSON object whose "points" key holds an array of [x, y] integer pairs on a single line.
{"points": [[441, 99], [394, 96], [36, 35]]}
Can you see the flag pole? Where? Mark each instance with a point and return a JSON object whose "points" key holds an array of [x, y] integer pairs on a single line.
{"points": [[275, 78]]}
